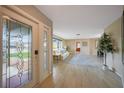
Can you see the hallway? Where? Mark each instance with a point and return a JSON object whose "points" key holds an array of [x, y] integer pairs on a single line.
{"points": [[81, 71], [35, 37]]}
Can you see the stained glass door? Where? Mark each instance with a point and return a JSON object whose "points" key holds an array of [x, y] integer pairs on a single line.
{"points": [[17, 53]]}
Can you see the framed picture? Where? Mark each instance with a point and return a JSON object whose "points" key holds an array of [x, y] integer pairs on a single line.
{"points": [[84, 43]]}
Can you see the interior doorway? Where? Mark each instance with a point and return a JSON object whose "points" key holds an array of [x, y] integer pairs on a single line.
{"points": [[78, 46]]}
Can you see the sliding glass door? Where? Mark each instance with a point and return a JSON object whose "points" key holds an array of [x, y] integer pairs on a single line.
{"points": [[16, 48]]}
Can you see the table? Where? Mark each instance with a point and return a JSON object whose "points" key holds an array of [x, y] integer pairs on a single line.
{"points": [[57, 57]]}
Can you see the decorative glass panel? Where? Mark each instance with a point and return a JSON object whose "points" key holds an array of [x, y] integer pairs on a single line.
{"points": [[17, 65], [45, 47], [57, 44]]}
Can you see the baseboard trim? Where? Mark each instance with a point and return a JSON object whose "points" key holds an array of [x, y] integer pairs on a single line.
{"points": [[41, 81], [118, 74], [110, 68], [120, 78]]}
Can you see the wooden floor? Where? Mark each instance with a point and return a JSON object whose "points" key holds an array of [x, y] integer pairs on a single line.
{"points": [[81, 71]]}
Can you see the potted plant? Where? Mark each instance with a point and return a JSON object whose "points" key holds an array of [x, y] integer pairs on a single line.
{"points": [[105, 46]]}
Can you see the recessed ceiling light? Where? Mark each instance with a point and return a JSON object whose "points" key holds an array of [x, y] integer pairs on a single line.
{"points": [[77, 34]]}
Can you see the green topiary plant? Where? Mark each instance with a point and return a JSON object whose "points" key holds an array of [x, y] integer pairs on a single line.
{"points": [[105, 45]]}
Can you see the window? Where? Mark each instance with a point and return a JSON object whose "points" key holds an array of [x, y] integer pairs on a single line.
{"points": [[57, 43], [78, 45]]}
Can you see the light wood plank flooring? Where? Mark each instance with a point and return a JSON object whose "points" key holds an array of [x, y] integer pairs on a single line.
{"points": [[81, 71]]}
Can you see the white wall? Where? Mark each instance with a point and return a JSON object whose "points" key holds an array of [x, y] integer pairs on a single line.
{"points": [[115, 30], [92, 46], [90, 49]]}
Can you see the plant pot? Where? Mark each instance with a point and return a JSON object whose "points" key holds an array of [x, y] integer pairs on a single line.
{"points": [[104, 67]]}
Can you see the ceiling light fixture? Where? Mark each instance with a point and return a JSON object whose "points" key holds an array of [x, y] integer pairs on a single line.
{"points": [[77, 34]]}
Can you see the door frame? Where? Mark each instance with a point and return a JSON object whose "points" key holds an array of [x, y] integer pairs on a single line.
{"points": [[12, 14], [40, 24], [76, 49], [0, 49], [41, 51]]}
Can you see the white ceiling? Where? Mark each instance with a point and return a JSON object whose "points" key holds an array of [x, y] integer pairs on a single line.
{"points": [[87, 20]]}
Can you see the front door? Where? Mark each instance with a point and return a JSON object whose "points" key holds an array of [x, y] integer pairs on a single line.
{"points": [[18, 63]]}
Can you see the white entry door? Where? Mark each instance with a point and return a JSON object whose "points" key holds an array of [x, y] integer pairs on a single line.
{"points": [[19, 65]]}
